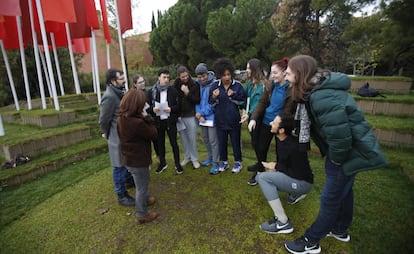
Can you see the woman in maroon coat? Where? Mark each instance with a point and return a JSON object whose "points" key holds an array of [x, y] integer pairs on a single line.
{"points": [[136, 129]]}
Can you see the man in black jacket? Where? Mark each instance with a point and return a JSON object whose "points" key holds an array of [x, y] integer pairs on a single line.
{"points": [[165, 106]]}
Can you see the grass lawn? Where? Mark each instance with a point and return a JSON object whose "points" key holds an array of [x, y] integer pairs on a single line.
{"points": [[74, 210]]}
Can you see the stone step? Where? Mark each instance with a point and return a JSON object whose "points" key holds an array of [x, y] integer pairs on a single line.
{"points": [[41, 165], [45, 142], [385, 108]]}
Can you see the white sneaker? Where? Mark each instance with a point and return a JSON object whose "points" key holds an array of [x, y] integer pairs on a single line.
{"points": [[196, 164], [184, 162], [237, 167]]}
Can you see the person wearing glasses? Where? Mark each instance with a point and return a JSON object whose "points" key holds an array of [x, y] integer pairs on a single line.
{"points": [[109, 112], [138, 82]]}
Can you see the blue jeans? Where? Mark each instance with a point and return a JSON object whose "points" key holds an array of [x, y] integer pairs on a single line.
{"points": [[336, 206], [119, 176]]}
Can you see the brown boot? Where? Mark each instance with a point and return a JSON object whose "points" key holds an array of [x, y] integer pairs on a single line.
{"points": [[151, 200], [147, 218]]}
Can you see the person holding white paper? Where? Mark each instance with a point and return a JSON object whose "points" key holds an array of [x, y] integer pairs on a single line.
{"points": [[205, 116], [165, 107]]}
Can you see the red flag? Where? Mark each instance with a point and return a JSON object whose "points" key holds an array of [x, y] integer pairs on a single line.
{"points": [[59, 10], [26, 27], [124, 14], [81, 45], [91, 15], [105, 21], [59, 31], [10, 8], [80, 29], [9, 34]]}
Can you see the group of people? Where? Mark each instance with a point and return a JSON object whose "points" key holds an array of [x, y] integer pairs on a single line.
{"points": [[297, 102]]}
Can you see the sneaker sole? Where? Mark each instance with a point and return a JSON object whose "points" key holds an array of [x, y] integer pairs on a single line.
{"points": [[345, 240], [252, 184], [164, 168], [297, 200], [284, 231], [314, 251]]}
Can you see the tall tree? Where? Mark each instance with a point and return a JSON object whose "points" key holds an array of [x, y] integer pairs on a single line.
{"points": [[153, 24], [243, 31], [181, 37], [314, 27]]}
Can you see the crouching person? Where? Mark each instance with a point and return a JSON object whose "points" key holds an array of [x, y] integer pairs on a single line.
{"points": [[291, 173], [136, 130]]}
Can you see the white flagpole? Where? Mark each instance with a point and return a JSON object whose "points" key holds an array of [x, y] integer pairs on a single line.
{"points": [[72, 60], [42, 59], [93, 66], [1, 127], [23, 59], [36, 54], [108, 56], [9, 74], [121, 48], [52, 38], [95, 57], [46, 48]]}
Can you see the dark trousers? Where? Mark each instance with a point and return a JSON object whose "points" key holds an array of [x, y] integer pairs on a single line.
{"points": [[171, 129], [336, 205], [264, 138], [235, 136]]}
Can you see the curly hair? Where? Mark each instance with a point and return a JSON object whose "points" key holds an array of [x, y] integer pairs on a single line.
{"points": [[221, 65]]}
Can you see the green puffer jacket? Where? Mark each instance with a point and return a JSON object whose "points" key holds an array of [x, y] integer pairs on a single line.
{"points": [[339, 128]]}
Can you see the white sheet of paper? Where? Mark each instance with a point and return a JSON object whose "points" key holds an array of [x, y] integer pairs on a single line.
{"points": [[207, 123], [162, 106]]}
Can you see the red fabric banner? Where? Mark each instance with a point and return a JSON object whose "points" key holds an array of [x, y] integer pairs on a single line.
{"points": [[105, 21], [59, 10], [124, 14], [81, 45], [91, 14], [80, 29], [10, 8], [9, 33]]}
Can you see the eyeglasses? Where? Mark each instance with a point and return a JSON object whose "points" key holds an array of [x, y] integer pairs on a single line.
{"points": [[140, 81]]}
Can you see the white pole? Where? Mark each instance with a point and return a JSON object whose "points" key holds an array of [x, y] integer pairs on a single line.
{"points": [[72, 60], [1, 127], [46, 48], [108, 56], [121, 46], [36, 53], [92, 66], [52, 38], [23, 59], [42, 59], [9, 74], [96, 69]]}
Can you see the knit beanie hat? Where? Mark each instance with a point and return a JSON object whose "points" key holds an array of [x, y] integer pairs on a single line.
{"points": [[201, 68]]}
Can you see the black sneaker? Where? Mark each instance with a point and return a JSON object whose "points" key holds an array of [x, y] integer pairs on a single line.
{"points": [[302, 246], [343, 237], [179, 169], [161, 168], [293, 199], [258, 167], [252, 181]]}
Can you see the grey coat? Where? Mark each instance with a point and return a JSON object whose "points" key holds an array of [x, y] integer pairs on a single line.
{"points": [[107, 121]]}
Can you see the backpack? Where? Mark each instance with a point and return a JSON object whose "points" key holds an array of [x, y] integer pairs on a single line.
{"points": [[366, 91]]}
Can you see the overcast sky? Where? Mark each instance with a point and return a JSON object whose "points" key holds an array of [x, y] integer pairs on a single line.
{"points": [[143, 15]]}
